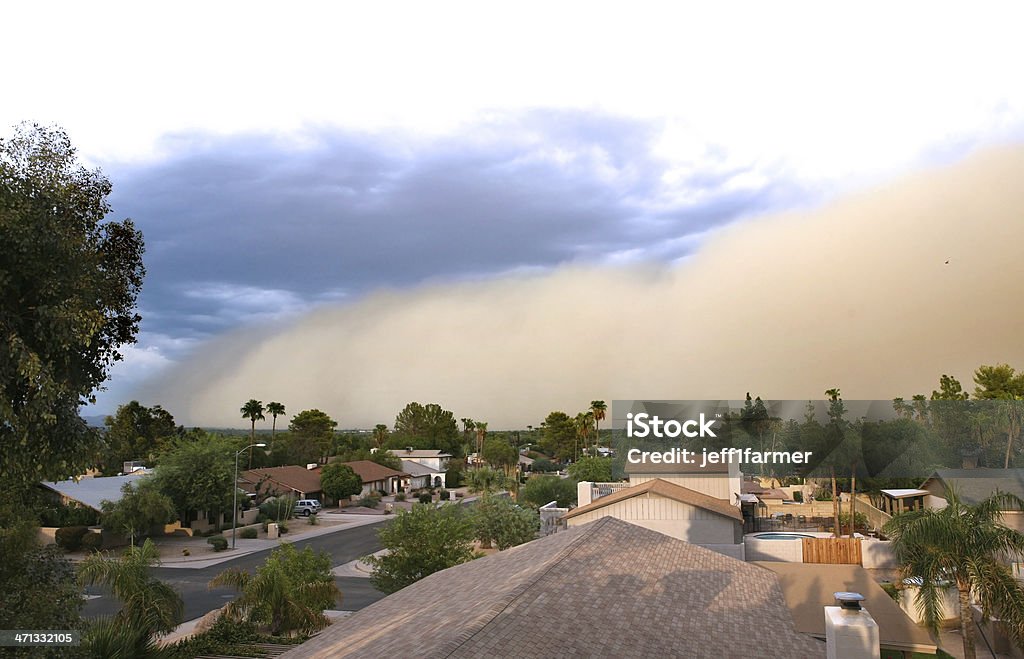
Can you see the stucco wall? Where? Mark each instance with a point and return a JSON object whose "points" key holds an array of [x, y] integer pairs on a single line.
{"points": [[673, 518], [788, 551]]}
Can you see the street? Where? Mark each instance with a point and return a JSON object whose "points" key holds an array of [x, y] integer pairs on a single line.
{"points": [[343, 546]]}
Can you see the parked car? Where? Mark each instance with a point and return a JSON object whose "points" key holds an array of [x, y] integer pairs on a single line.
{"points": [[306, 507]]}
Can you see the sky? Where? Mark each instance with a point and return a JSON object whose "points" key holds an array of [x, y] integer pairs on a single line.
{"points": [[431, 184]]}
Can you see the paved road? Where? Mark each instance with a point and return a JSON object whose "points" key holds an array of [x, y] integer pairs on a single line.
{"points": [[343, 546]]}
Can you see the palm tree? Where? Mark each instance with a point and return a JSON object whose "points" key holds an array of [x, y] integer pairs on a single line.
{"points": [[274, 409], [252, 410], [147, 603], [598, 408], [966, 545], [278, 597], [584, 421], [380, 434], [481, 434], [835, 412]]}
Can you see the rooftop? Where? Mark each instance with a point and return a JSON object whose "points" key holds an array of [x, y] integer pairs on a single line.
{"points": [[975, 485], [92, 491], [291, 477], [419, 453], [370, 471], [608, 588], [665, 489]]}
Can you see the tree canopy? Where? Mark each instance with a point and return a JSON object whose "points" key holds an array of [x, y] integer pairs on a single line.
{"points": [[339, 481], [427, 427], [420, 542], [595, 470], [70, 281], [135, 432], [198, 475]]}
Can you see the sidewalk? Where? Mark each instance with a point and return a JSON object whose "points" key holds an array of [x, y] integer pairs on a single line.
{"points": [[202, 554]]}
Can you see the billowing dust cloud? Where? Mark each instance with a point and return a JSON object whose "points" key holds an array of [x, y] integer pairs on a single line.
{"points": [[857, 295]]}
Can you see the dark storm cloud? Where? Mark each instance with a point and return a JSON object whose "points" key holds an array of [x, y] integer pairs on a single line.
{"points": [[249, 228]]}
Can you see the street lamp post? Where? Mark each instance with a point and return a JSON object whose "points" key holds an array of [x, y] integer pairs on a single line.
{"points": [[234, 500]]}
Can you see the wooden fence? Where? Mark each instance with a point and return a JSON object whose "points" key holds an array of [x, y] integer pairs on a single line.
{"points": [[832, 550]]}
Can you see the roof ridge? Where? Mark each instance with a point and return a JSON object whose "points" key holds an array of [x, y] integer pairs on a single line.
{"points": [[494, 611]]}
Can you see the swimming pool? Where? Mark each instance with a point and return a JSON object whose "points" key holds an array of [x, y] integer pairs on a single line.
{"points": [[782, 536]]}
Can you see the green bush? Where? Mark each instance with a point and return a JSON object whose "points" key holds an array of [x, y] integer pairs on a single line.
{"points": [[282, 528], [400, 496], [426, 497], [68, 516], [248, 533], [798, 497], [219, 542], [369, 501], [70, 537], [444, 495], [92, 541], [278, 508]]}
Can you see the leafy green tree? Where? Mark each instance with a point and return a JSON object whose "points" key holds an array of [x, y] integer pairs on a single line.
{"points": [[38, 587], [386, 459], [146, 602], [485, 479], [380, 435], [949, 389], [499, 521], [966, 545], [136, 432], [999, 381], [288, 593], [499, 454], [339, 481], [420, 542], [542, 490], [311, 434], [70, 280], [139, 509], [426, 426], [595, 470], [198, 476], [559, 439]]}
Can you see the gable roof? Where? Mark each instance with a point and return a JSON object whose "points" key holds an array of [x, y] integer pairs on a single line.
{"points": [[369, 471], [808, 587], [417, 469], [975, 485], [665, 489], [608, 588], [91, 492], [291, 477]]}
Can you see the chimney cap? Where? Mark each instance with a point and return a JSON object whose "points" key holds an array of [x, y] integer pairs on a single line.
{"points": [[849, 600]]}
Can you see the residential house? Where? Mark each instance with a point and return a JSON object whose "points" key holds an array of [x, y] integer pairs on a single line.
{"points": [[721, 481], [378, 478], [293, 480], [426, 467], [975, 485], [676, 511], [604, 589], [91, 492]]}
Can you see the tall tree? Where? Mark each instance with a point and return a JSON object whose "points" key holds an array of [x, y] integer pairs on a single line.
{"points": [[252, 410], [967, 545], [198, 476], [70, 280], [274, 409], [135, 432], [1003, 383], [836, 410], [598, 409], [584, 423], [481, 434], [427, 426], [312, 432], [339, 481], [138, 510], [559, 438], [380, 435]]}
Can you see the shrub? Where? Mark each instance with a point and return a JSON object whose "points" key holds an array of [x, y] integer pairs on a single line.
{"points": [[382, 493], [426, 497], [312, 520], [219, 542], [369, 501], [278, 508], [400, 496], [891, 590], [247, 533], [68, 516], [92, 541], [543, 466], [282, 528], [70, 537]]}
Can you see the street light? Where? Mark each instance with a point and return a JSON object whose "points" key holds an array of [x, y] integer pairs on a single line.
{"points": [[234, 500]]}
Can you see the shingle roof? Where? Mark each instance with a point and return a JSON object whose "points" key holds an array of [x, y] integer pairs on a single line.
{"points": [[292, 477], [604, 589], [974, 485], [665, 489], [370, 471], [92, 491], [416, 469]]}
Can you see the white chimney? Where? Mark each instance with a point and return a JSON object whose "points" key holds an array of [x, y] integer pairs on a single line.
{"points": [[583, 493], [850, 631]]}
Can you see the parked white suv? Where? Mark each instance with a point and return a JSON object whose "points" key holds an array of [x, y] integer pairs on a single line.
{"points": [[306, 507]]}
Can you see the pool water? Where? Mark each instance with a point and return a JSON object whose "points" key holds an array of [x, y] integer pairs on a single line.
{"points": [[782, 536]]}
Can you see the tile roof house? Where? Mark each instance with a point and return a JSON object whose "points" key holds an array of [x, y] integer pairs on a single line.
{"points": [[605, 589], [294, 480], [377, 477], [672, 509]]}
